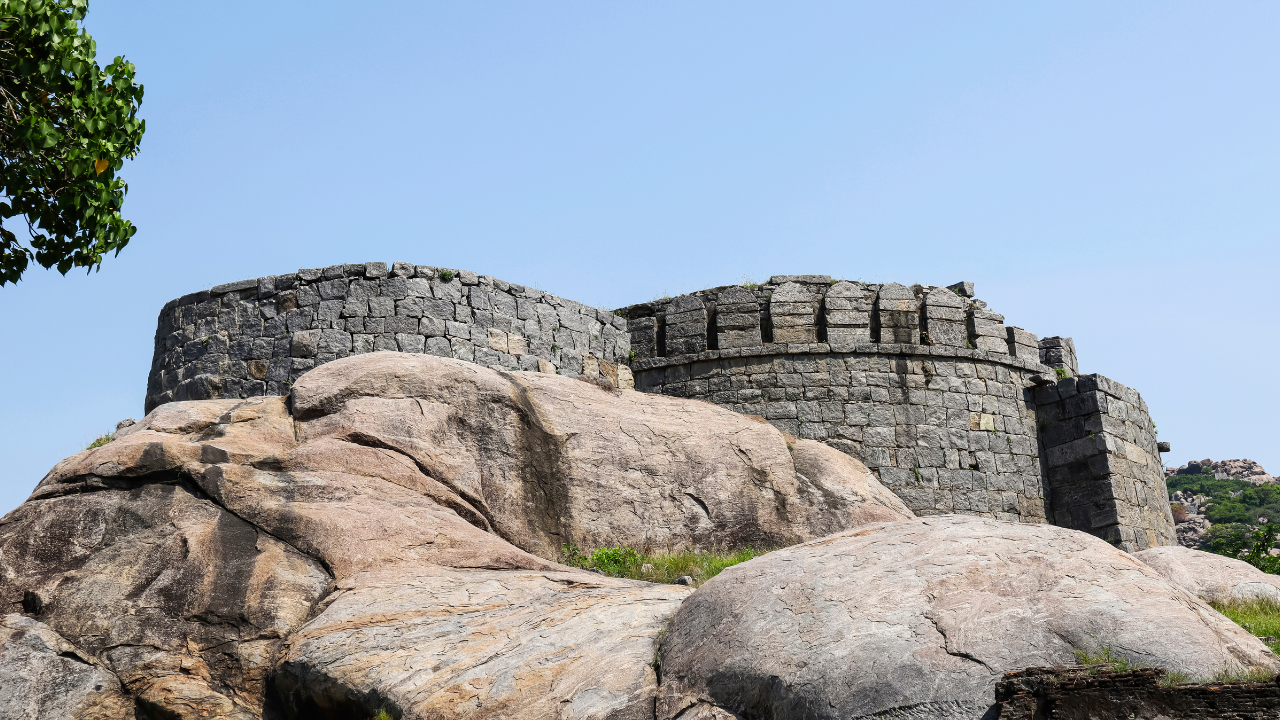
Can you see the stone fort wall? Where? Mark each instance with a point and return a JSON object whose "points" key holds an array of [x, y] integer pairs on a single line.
{"points": [[954, 410], [255, 337]]}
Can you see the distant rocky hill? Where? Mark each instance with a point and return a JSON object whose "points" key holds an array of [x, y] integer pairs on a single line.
{"points": [[1239, 469]]}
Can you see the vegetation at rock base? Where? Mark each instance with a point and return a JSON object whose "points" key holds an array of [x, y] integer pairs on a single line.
{"points": [[1260, 617], [665, 566], [1104, 654], [66, 127]]}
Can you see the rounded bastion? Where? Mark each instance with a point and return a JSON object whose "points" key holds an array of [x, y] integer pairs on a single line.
{"points": [[255, 337], [955, 411]]}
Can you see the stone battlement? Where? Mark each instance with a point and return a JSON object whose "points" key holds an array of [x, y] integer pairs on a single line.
{"points": [[791, 309], [953, 410]]}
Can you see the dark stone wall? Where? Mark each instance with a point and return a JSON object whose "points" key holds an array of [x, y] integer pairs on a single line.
{"points": [[1103, 466], [948, 430], [255, 337], [1080, 694]]}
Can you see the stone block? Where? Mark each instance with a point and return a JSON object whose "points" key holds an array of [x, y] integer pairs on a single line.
{"points": [[305, 344], [686, 345], [685, 303], [897, 297], [685, 330], [903, 335], [1021, 337], [807, 334], [951, 314], [736, 321], [807, 279], [438, 346], [787, 321], [992, 344], [728, 339], [950, 334], [497, 340], [940, 297], [335, 289]]}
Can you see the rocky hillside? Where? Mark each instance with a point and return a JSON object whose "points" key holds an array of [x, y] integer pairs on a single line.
{"points": [[388, 537], [1240, 469]]}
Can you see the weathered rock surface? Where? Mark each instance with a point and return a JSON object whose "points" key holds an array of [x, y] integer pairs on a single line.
{"points": [[185, 602], [185, 555], [549, 461], [1214, 578], [440, 643], [44, 676], [923, 616]]}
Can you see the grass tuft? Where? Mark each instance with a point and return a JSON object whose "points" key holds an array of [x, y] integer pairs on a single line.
{"points": [[1260, 617], [1104, 654], [1243, 676], [102, 440], [664, 566]]}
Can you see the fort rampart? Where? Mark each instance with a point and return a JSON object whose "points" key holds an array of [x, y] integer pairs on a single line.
{"points": [[255, 337], [953, 410]]}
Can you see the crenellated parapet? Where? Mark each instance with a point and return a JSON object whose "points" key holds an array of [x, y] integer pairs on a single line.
{"points": [[817, 309], [954, 410]]}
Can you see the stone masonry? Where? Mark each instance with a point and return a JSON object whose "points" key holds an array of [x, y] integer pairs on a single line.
{"points": [[255, 337], [954, 410], [1103, 466]]}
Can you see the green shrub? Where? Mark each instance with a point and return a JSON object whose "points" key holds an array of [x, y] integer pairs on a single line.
{"points": [[627, 562], [1253, 547], [1061, 373], [620, 561], [102, 440], [447, 275]]}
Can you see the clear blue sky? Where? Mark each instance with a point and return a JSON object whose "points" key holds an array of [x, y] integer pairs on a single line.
{"points": [[1108, 171]]}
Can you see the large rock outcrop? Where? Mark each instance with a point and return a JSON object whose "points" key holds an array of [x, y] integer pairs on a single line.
{"points": [[443, 644], [359, 544], [1214, 578], [44, 676], [922, 617]]}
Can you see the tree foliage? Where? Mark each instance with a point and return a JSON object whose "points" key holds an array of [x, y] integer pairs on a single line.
{"points": [[1236, 541], [66, 127]]}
